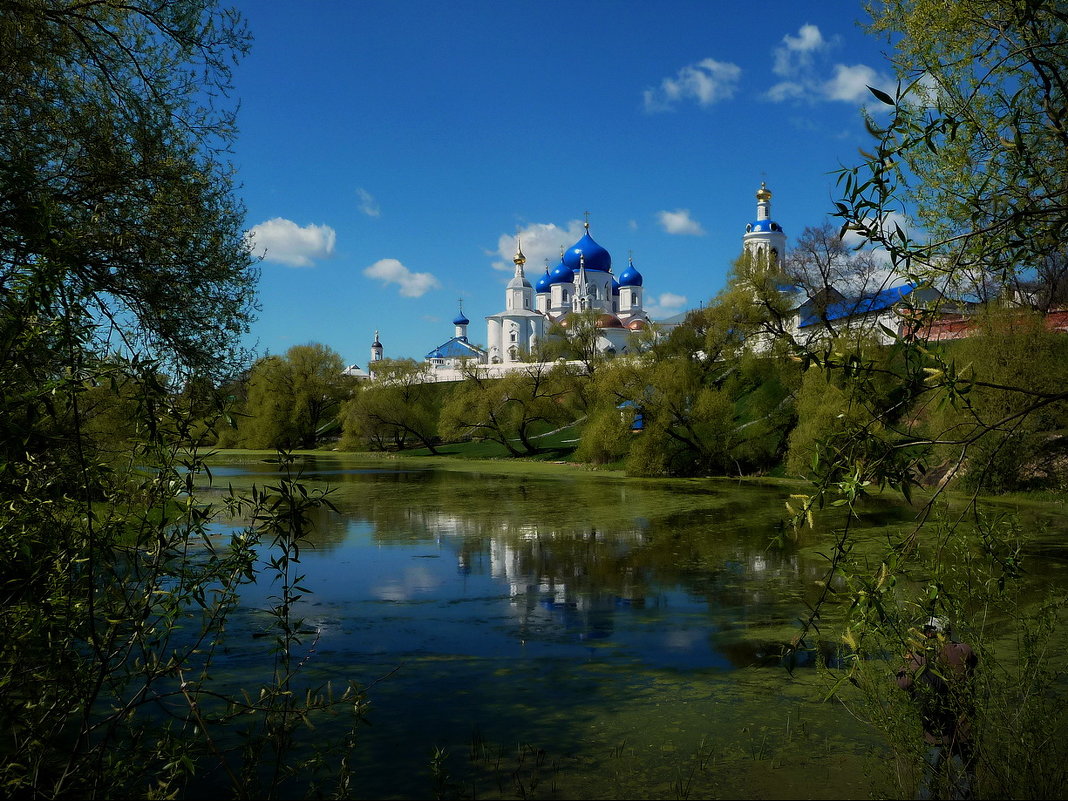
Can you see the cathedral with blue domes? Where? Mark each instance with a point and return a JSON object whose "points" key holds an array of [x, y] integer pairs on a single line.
{"points": [[582, 281]]}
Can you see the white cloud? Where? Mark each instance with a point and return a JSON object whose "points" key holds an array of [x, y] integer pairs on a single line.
{"points": [[802, 62], [667, 304], [283, 241], [796, 51], [368, 205], [785, 90], [706, 82], [850, 83], [680, 222], [412, 285], [542, 243]]}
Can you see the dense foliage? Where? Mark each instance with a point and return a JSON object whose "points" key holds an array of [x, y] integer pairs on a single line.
{"points": [[124, 284]]}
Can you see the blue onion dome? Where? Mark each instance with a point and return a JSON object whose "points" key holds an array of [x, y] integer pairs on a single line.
{"points": [[561, 274], [594, 256], [763, 226], [630, 276], [461, 319], [542, 284]]}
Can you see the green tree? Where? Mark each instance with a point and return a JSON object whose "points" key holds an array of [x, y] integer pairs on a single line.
{"points": [[975, 149], [401, 403], [122, 259], [296, 399], [976, 144], [510, 410], [992, 434], [115, 201]]}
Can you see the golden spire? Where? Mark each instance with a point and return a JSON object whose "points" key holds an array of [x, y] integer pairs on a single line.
{"points": [[519, 259], [763, 193]]}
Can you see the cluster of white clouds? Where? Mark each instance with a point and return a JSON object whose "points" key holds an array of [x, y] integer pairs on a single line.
{"points": [[801, 64], [283, 241], [412, 285], [706, 82]]}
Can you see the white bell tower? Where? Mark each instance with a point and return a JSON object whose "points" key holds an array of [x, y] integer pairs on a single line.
{"points": [[764, 235]]}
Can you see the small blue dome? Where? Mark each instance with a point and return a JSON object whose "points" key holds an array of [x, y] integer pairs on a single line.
{"points": [[561, 274], [630, 276], [460, 319], [542, 284], [593, 255], [763, 226]]}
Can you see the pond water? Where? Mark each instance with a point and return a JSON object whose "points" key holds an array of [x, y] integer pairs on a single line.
{"points": [[564, 634]]}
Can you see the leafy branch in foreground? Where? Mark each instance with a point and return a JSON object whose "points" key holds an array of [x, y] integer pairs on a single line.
{"points": [[973, 147]]}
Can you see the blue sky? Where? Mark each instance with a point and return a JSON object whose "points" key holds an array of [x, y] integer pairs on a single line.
{"points": [[390, 151]]}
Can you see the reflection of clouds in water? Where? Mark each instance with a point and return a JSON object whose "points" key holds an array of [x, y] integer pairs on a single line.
{"points": [[413, 581], [683, 640]]}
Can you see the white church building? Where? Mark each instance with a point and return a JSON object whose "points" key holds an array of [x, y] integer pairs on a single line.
{"points": [[582, 281]]}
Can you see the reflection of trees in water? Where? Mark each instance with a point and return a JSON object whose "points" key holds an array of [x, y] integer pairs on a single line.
{"points": [[539, 538], [575, 553]]}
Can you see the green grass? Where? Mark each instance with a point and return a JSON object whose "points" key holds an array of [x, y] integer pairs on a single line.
{"points": [[554, 447]]}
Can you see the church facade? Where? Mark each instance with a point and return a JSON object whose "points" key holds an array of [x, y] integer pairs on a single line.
{"points": [[583, 281]]}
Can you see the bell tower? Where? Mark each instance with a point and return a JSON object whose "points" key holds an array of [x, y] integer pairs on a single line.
{"points": [[764, 236]]}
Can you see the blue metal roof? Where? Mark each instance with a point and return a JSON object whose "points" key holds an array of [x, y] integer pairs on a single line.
{"points": [[637, 420], [455, 348], [864, 304]]}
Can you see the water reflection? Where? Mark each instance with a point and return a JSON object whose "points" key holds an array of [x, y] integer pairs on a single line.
{"points": [[575, 610], [676, 575]]}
